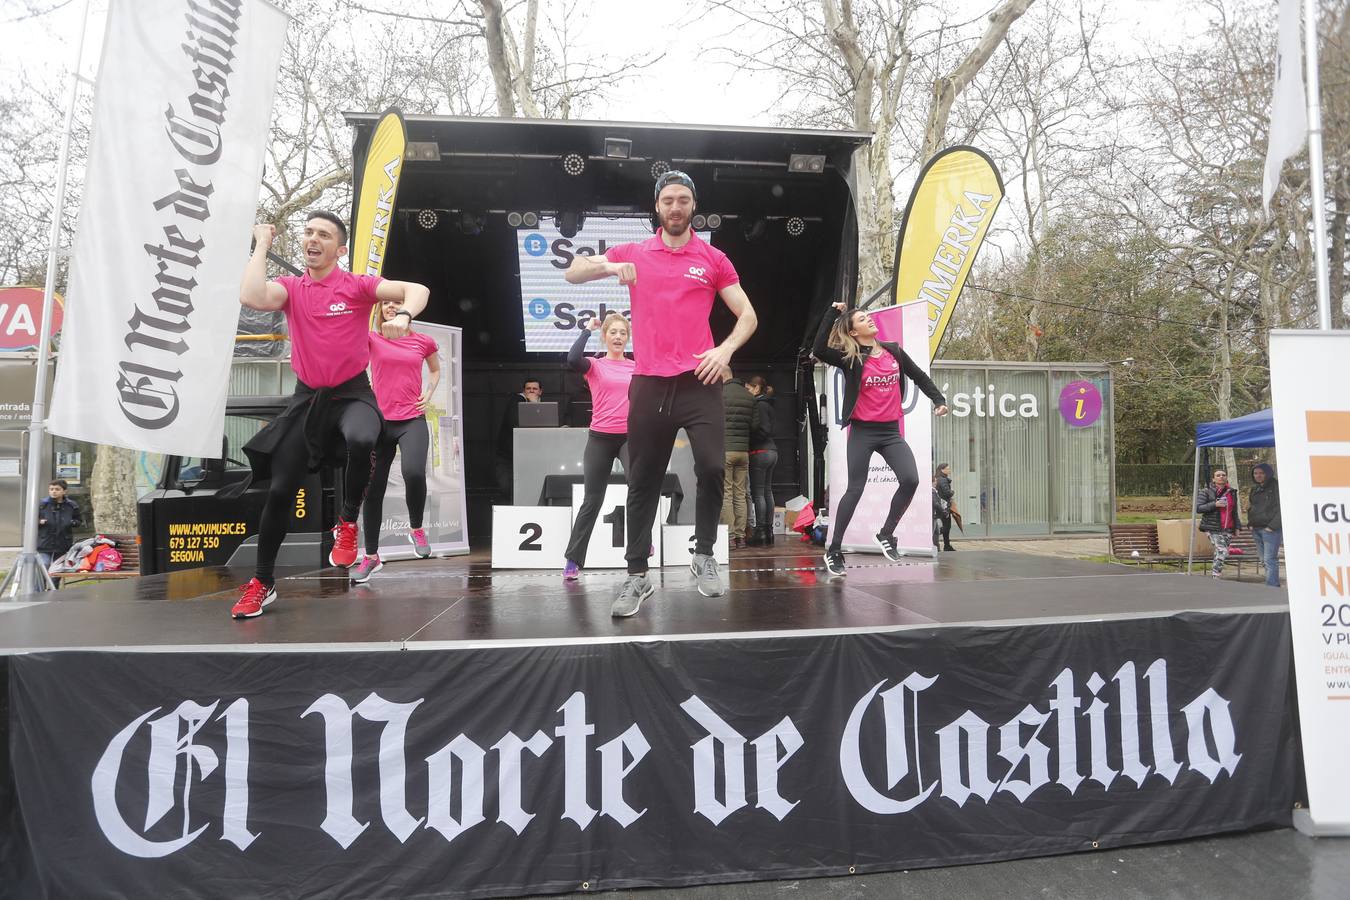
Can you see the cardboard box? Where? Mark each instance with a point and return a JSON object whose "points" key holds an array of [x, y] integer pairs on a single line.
{"points": [[780, 521], [1174, 538]]}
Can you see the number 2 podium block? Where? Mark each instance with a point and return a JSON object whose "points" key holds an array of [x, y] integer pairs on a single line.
{"points": [[530, 537]]}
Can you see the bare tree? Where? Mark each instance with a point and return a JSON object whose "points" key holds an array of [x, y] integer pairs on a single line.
{"points": [[847, 64]]}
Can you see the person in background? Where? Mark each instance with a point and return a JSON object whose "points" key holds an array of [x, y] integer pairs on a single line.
{"points": [[1263, 517], [532, 391], [396, 378], [946, 493], [608, 377], [739, 413], [763, 459], [1217, 504], [58, 517]]}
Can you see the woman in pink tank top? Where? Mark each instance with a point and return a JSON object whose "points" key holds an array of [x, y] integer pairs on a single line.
{"points": [[396, 376], [608, 377]]}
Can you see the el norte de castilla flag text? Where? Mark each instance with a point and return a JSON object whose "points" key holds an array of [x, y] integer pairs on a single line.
{"points": [[944, 225], [181, 113]]}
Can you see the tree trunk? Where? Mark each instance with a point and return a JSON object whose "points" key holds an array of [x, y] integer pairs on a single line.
{"points": [[1340, 219], [112, 490], [948, 87], [498, 63]]}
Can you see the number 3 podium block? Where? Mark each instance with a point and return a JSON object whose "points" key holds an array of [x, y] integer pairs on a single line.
{"points": [[530, 537], [678, 541]]}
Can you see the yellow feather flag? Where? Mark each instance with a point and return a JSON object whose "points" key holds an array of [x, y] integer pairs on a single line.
{"points": [[944, 225]]}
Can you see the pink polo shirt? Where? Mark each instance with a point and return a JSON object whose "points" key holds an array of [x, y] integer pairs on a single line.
{"points": [[608, 380], [671, 300], [396, 373], [329, 320], [879, 392]]}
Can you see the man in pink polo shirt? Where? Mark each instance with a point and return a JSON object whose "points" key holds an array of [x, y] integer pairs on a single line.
{"points": [[333, 414], [672, 280]]}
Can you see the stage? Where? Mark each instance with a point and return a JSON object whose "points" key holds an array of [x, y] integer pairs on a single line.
{"points": [[460, 601], [984, 705]]}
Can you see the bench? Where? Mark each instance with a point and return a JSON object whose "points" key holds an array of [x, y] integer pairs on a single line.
{"points": [[1142, 538], [129, 545]]}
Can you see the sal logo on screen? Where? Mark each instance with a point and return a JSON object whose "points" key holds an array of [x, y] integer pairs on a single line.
{"points": [[149, 801], [566, 316]]}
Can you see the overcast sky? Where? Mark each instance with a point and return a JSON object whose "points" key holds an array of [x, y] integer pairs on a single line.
{"points": [[709, 93]]}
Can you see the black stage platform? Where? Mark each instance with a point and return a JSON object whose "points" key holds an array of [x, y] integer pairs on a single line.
{"points": [[987, 705], [461, 601]]}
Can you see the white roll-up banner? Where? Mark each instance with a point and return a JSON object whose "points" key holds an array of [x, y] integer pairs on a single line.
{"points": [[181, 113], [1312, 442], [906, 325]]}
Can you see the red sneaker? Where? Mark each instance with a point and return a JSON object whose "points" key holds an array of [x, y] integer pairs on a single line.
{"points": [[344, 544], [252, 598]]}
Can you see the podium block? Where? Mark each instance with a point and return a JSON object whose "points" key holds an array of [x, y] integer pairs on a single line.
{"points": [[609, 537], [678, 541], [530, 537]]}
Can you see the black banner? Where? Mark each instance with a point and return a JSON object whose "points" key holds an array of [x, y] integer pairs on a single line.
{"points": [[466, 773]]}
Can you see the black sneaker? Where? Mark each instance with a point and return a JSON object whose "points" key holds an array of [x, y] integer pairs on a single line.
{"points": [[834, 562], [887, 545]]}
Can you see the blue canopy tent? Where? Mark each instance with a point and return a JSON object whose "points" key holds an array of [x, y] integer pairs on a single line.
{"points": [[1252, 430]]}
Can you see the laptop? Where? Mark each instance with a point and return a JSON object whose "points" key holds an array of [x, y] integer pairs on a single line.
{"points": [[543, 414]]}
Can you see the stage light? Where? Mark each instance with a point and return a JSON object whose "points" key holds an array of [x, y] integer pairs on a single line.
{"points": [[659, 168], [796, 226], [574, 164], [569, 222], [514, 219], [530, 219], [422, 151], [714, 221], [618, 148], [471, 223], [699, 221], [428, 219], [802, 162]]}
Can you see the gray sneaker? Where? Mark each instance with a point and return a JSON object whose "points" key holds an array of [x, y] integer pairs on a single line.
{"points": [[704, 568], [632, 592]]}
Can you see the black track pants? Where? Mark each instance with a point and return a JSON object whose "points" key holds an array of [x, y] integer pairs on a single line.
{"points": [[658, 407], [410, 439], [864, 439]]}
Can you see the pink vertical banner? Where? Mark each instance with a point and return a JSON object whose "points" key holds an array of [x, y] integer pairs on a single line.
{"points": [[906, 325]]}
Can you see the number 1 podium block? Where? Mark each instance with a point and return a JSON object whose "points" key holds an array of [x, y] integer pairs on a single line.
{"points": [[530, 537], [609, 537]]}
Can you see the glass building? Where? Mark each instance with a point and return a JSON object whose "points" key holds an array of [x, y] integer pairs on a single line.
{"points": [[1031, 446]]}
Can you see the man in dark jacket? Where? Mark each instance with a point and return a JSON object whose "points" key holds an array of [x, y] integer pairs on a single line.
{"points": [[739, 411], [946, 493], [58, 517], [1263, 516], [1217, 504]]}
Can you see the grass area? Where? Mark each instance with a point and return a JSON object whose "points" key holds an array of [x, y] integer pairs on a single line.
{"points": [[1136, 510]]}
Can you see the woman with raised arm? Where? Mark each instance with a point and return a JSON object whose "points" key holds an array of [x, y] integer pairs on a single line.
{"points": [[396, 376], [871, 412], [608, 377]]}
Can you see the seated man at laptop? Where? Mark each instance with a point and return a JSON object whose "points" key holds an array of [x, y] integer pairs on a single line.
{"points": [[532, 391]]}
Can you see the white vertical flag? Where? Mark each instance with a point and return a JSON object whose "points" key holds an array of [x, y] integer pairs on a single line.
{"points": [[1288, 105], [181, 113]]}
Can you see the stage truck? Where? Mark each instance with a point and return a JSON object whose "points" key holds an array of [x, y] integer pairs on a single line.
{"points": [[490, 212]]}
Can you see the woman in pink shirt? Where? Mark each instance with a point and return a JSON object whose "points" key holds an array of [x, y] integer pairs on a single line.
{"points": [[396, 376], [608, 377], [873, 382]]}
